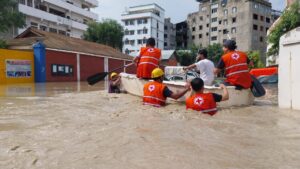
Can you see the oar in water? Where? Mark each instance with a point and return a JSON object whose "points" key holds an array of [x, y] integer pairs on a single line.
{"points": [[100, 76]]}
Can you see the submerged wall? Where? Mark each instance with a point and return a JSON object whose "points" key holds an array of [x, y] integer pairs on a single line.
{"points": [[16, 66], [289, 70]]}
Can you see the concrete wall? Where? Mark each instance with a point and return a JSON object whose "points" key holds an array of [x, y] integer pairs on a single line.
{"points": [[289, 70], [23, 62]]}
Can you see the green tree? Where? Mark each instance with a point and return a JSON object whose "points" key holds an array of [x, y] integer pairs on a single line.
{"points": [[10, 16], [214, 52], [185, 57], [108, 32], [254, 56], [3, 44], [290, 19]]}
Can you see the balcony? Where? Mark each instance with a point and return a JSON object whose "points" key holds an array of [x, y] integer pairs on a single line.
{"points": [[73, 8], [30, 11], [94, 3]]}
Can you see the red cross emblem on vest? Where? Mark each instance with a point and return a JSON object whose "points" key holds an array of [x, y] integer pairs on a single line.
{"points": [[198, 101], [150, 50], [151, 88], [235, 56]]}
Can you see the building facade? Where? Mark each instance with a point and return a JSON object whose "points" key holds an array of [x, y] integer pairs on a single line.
{"points": [[246, 21], [66, 17], [181, 35], [140, 23], [169, 35]]}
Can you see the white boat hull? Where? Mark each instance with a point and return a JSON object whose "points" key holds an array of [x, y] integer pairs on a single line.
{"points": [[135, 86]]}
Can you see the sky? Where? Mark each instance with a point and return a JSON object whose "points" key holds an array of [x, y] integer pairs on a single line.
{"points": [[177, 10]]}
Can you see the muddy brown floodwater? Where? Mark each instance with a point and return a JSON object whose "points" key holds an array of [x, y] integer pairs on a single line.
{"points": [[73, 127]]}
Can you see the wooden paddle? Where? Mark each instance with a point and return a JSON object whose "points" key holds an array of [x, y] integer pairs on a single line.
{"points": [[100, 76]]}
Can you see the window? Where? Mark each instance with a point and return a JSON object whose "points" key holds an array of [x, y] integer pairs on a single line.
{"points": [[255, 27], [261, 39], [225, 12], [207, 25], [255, 6], [61, 32], [165, 35], [193, 37], [131, 22], [214, 19], [126, 23], [145, 31], [144, 40], [234, 20], [70, 2], [43, 28], [262, 18], [53, 30], [166, 28], [22, 2], [215, 10], [157, 25], [207, 34], [132, 42], [201, 18], [255, 16], [29, 3], [33, 24], [268, 20], [225, 22], [126, 32], [261, 28], [214, 29], [140, 41], [225, 31], [138, 32], [193, 29], [234, 10], [165, 44], [131, 32], [214, 38], [200, 27], [220, 22], [233, 30], [126, 42], [61, 70], [200, 36]]}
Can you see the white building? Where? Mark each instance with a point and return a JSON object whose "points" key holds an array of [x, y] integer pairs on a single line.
{"points": [[140, 23], [67, 17]]}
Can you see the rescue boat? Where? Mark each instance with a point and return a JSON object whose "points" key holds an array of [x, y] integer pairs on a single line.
{"points": [[134, 86]]}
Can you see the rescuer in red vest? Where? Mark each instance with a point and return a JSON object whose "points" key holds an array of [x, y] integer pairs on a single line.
{"points": [[156, 93], [148, 59], [235, 64], [205, 102]]}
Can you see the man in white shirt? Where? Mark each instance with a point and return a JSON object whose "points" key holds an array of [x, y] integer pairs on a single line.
{"points": [[205, 66]]}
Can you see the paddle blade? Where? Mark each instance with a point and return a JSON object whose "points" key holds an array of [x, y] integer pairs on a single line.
{"points": [[96, 78], [257, 89]]}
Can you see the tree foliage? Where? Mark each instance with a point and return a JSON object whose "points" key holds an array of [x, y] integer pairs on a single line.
{"points": [[108, 32], [10, 16], [214, 52], [254, 56], [3, 44], [290, 19]]}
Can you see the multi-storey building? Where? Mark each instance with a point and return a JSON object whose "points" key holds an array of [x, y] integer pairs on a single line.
{"points": [[170, 35], [181, 35], [140, 23], [246, 21], [66, 17]]}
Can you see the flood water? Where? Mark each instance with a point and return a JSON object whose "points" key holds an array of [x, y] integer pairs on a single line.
{"points": [[76, 126]]}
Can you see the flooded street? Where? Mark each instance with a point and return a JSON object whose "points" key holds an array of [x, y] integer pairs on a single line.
{"points": [[75, 126]]}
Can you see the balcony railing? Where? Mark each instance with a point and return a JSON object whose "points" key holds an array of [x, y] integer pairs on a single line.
{"points": [[30, 11]]}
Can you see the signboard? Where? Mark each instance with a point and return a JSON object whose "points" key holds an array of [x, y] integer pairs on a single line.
{"points": [[18, 68]]}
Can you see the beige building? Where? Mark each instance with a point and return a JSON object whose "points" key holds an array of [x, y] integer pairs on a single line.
{"points": [[245, 21]]}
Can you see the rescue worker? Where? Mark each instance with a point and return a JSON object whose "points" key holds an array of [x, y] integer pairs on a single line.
{"points": [[114, 83], [235, 64], [205, 66], [205, 102], [148, 59], [156, 93]]}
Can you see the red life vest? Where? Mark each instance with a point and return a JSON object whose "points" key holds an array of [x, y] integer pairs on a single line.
{"points": [[236, 69], [203, 102], [153, 94], [149, 60]]}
